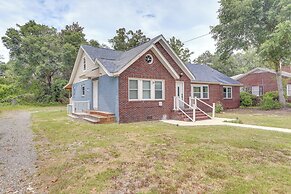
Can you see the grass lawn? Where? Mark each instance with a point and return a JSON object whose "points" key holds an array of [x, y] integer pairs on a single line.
{"points": [[154, 157], [273, 118]]}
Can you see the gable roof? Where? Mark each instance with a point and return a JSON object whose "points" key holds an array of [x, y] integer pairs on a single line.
{"points": [[112, 60], [204, 73], [260, 70]]}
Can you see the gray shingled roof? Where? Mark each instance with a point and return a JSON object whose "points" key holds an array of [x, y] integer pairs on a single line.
{"points": [[114, 60], [204, 73]]}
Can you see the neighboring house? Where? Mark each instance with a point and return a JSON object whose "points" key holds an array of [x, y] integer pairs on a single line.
{"points": [[147, 82], [261, 80]]}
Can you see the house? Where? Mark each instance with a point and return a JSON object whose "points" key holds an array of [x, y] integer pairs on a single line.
{"points": [[261, 80], [147, 82]]}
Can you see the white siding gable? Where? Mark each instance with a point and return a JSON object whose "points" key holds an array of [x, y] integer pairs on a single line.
{"points": [[80, 71]]}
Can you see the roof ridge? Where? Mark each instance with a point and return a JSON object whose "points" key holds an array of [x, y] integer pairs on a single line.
{"points": [[102, 48]]}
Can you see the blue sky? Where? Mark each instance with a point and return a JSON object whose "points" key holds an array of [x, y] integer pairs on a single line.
{"points": [[184, 19]]}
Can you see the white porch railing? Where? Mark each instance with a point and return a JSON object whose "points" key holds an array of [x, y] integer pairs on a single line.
{"points": [[192, 105], [80, 106], [177, 101], [195, 99]]}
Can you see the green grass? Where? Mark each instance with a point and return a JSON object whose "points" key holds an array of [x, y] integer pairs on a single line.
{"points": [[273, 118], [154, 157]]}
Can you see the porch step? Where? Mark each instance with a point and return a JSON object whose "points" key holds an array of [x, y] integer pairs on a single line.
{"points": [[199, 115], [96, 117]]}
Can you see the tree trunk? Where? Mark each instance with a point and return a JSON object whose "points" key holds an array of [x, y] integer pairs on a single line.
{"points": [[282, 99]]}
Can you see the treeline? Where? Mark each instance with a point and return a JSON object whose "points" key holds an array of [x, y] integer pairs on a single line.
{"points": [[42, 58]]}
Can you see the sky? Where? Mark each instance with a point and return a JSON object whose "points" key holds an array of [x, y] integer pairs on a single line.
{"points": [[184, 19]]}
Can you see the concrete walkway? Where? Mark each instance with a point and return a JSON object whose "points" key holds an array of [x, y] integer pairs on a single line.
{"points": [[221, 121]]}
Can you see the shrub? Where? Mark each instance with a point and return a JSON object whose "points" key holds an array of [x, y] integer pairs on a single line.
{"points": [[246, 99], [270, 101], [218, 107]]}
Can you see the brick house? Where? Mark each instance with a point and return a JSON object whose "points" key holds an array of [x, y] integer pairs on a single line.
{"points": [[147, 82], [261, 80]]}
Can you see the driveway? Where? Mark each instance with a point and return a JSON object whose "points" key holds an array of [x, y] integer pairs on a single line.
{"points": [[17, 153]]}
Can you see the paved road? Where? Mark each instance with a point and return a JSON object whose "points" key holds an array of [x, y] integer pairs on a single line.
{"points": [[17, 153]]}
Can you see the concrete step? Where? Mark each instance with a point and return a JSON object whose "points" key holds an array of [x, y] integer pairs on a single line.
{"points": [[95, 121]]}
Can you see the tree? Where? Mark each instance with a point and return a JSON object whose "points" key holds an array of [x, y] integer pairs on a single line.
{"points": [[126, 40], [35, 52], [178, 47], [205, 58], [250, 24], [72, 37]]}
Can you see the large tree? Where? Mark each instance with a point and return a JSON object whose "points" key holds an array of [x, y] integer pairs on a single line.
{"points": [[178, 46], [125, 40], [247, 24], [35, 54]]}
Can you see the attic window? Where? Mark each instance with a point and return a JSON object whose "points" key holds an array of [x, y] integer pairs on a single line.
{"points": [[84, 64], [149, 58]]}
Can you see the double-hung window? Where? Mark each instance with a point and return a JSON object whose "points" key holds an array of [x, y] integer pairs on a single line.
{"points": [[288, 89], [133, 89], [200, 91], [227, 92], [257, 90], [146, 89]]}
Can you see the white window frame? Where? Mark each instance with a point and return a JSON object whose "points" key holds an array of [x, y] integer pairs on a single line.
{"points": [[227, 87], [257, 90], [140, 89], [288, 89], [84, 64], [83, 93], [201, 91]]}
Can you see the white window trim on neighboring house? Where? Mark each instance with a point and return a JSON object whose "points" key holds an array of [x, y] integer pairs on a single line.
{"points": [[201, 90], [227, 87], [288, 89], [152, 89]]}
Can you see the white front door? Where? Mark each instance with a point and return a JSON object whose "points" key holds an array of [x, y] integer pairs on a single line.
{"points": [[95, 94], [180, 92]]}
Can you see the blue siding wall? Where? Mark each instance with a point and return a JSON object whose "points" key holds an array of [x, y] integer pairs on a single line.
{"points": [[108, 95], [77, 92]]}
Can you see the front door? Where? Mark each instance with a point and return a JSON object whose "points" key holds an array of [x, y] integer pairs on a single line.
{"points": [[95, 94], [180, 92]]}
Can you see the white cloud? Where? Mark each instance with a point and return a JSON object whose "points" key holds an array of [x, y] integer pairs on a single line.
{"points": [[184, 19]]}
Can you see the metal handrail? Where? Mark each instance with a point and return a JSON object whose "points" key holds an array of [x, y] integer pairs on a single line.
{"points": [[195, 103]]}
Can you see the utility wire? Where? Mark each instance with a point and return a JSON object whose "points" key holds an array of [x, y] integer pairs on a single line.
{"points": [[196, 37]]}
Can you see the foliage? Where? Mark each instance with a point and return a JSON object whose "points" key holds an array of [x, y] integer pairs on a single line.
{"points": [[257, 24], [270, 101], [218, 107], [125, 40], [238, 63], [246, 99], [180, 50]]}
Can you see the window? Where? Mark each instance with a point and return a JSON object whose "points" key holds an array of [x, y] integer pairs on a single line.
{"points": [[145, 89], [227, 92], [149, 58], [288, 89], [158, 90], [257, 90], [201, 92], [84, 64], [83, 90], [133, 89]]}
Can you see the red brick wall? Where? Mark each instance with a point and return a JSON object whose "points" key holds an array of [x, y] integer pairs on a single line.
{"points": [[216, 95], [130, 111], [267, 80]]}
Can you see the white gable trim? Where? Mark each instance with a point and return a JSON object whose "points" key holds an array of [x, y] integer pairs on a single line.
{"points": [[260, 69], [75, 68], [165, 62], [133, 60], [180, 63]]}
